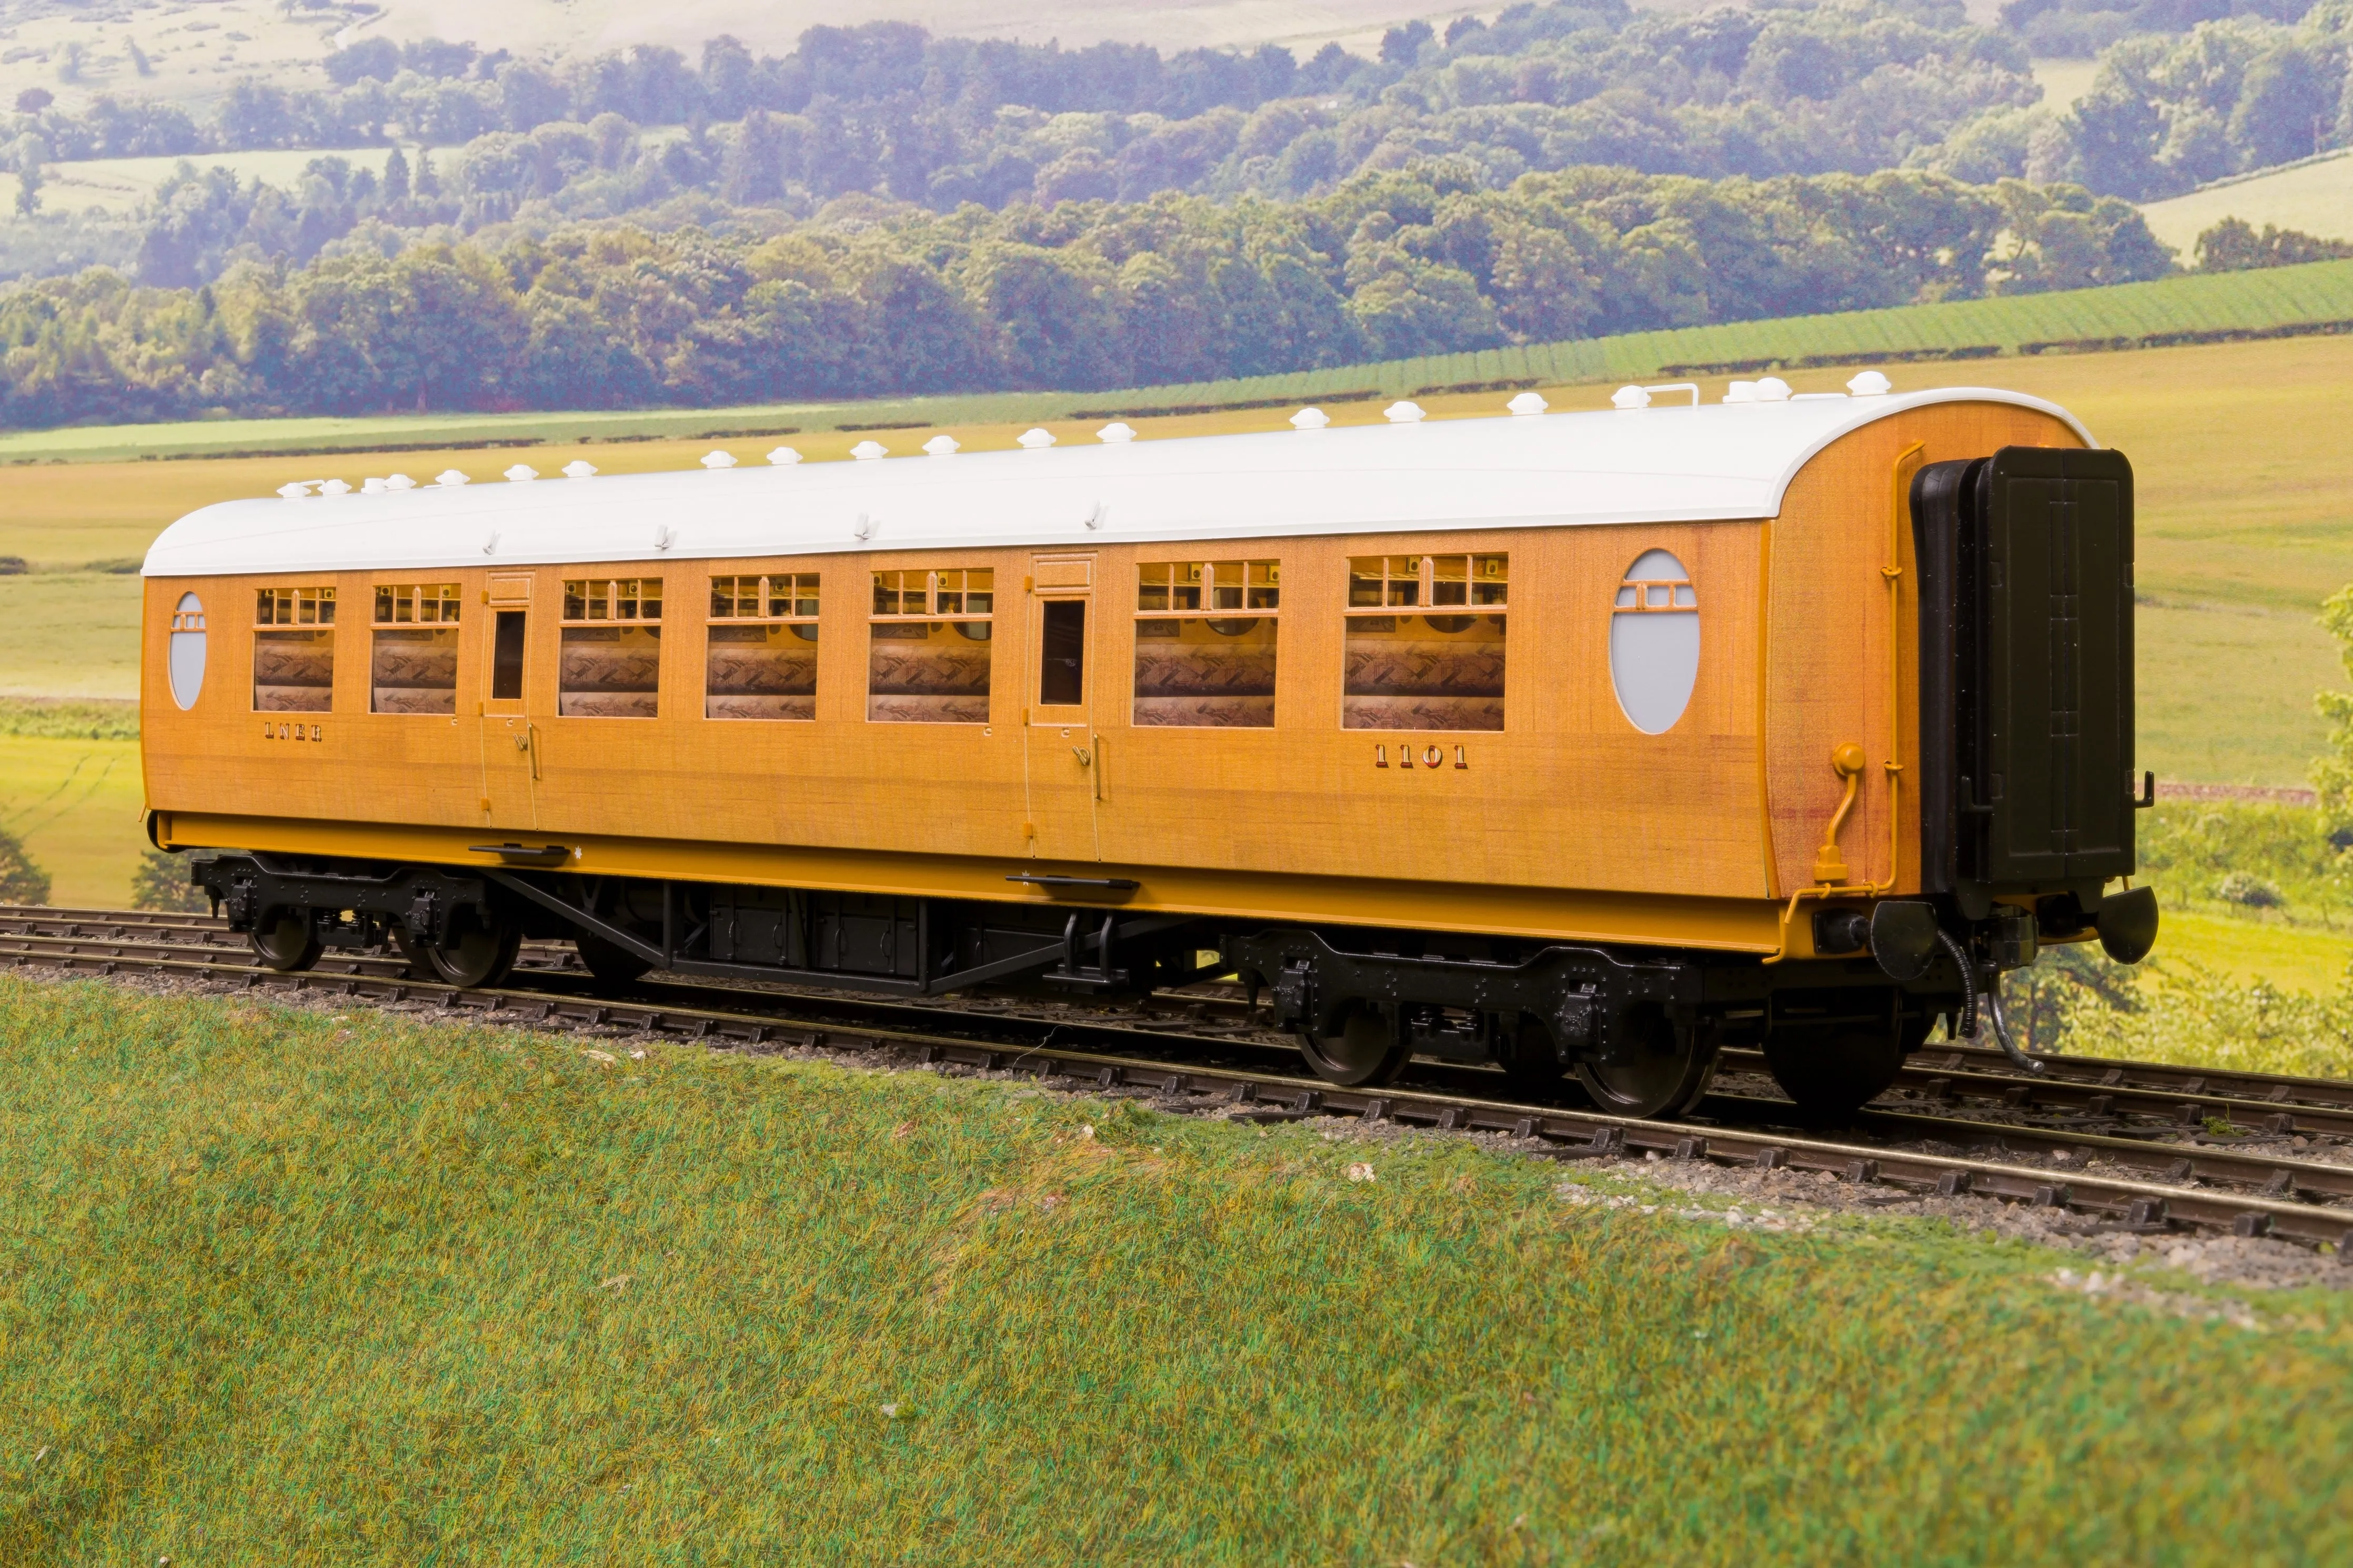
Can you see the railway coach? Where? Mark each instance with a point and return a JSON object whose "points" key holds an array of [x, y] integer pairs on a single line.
{"points": [[1580, 743]]}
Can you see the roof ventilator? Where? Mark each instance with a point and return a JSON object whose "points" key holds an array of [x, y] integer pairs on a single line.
{"points": [[783, 457], [449, 479], [334, 488], [1626, 399], [522, 473], [715, 461], [1310, 419], [1526, 404], [1870, 384], [1403, 412], [940, 447], [579, 468], [1035, 439], [1772, 389], [400, 482], [868, 451], [373, 487], [297, 490], [1115, 434]]}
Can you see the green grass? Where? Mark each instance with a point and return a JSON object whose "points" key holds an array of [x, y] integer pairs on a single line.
{"points": [[70, 634], [2287, 956], [2226, 692], [300, 1290], [2252, 302], [76, 805], [2314, 197]]}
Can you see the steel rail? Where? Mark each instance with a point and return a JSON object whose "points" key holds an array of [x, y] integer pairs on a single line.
{"points": [[2129, 1202], [2094, 1104]]}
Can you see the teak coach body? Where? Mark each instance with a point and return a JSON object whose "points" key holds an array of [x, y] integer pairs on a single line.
{"points": [[1579, 743]]}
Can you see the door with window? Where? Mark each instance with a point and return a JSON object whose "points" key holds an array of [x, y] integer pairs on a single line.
{"points": [[1062, 748], [511, 739]]}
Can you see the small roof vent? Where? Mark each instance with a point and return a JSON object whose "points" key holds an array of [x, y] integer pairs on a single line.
{"points": [[579, 468], [783, 457], [1404, 413], [1870, 384], [867, 451], [1741, 392], [1310, 419], [1115, 434], [715, 461], [297, 490], [400, 482], [940, 447], [1036, 440], [1526, 404], [522, 473], [449, 479], [373, 487], [1772, 389], [1627, 398], [334, 488]]}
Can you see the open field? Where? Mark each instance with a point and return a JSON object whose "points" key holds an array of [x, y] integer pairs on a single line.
{"points": [[2282, 299], [2062, 81], [120, 186], [76, 805], [2291, 958], [196, 51], [2315, 198], [301, 1289]]}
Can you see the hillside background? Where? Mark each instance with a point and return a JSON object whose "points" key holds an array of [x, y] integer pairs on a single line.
{"points": [[479, 234]]}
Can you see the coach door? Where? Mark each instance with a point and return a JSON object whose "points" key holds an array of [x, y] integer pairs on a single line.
{"points": [[1061, 748], [510, 742]]}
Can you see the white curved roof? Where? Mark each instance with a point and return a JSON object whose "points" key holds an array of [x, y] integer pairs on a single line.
{"points": [[1716, 462]]}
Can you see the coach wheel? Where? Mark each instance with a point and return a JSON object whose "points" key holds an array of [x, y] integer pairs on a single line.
{"points": [[1834, 1071], [1366, 1050], [1656, 1067], [472, 954], [283, 939], [609, 961]]}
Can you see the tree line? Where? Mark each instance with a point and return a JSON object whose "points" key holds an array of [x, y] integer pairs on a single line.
{"points": [[887, 110], [873, 298]]}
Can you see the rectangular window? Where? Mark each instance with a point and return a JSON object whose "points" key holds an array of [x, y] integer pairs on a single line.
{"points": [[611, 656], [927, 660], [506, 657], [413, 662], [1207, 671], [1061, 653], [293, 650], [1440, 668], [762, 662]]}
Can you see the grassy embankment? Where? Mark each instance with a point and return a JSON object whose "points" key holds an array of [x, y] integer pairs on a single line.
{"points": [[294, 1289]]}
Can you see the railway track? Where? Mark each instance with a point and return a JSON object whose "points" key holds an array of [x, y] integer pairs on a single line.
{"points": [[2140, 1146]]}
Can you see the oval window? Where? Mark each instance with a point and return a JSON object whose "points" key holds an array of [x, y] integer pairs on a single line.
{"points": [[186, 655], [1655, 642]]}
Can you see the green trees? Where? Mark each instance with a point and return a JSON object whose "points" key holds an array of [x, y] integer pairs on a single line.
{"points": [[874, 297], [22, 880], [2332, 773]]}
